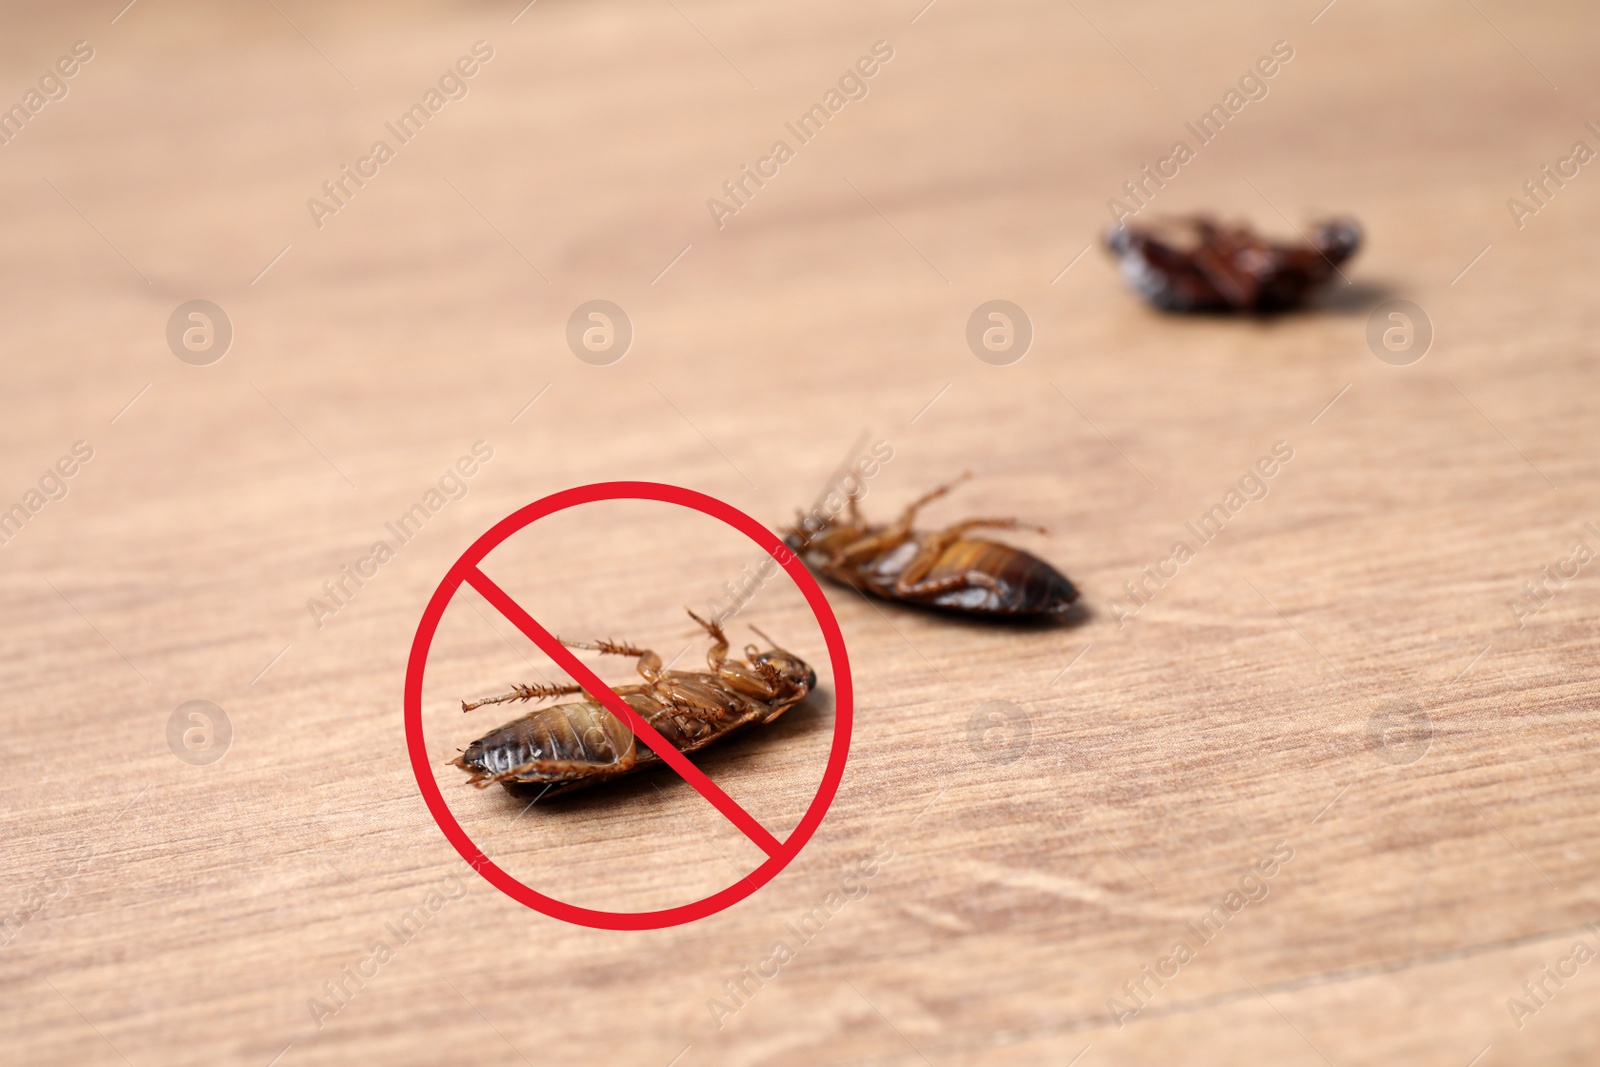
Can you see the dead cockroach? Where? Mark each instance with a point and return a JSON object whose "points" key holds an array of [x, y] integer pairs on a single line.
{"points": [[942, 569], [569, 746], [1195, 264]]}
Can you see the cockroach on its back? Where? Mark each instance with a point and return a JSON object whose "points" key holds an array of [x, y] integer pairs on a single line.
{"points": [[1194, 264], [941, 569], [569, 746]]}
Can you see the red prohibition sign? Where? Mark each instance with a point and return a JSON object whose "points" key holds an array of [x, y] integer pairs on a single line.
{"points": [[465, 570]]}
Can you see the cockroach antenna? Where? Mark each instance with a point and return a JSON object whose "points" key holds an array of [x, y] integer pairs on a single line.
{"points": [[775, 646], [838, 472], [809, 523]]}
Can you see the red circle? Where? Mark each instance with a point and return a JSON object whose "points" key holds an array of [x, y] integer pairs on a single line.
{"points": [[706, 505]]}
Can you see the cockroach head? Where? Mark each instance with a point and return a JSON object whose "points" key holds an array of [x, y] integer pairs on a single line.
{"points": [[784, 666], [792, 671], [1337, 239], [807, 525]]}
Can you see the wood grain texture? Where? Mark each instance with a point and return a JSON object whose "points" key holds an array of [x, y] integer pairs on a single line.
{"points": [[168, 913]]}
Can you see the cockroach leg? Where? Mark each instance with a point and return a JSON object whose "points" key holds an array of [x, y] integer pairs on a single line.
{"points": [[945, 585], [524, 692], [909, 515], [567, 769], [746, 715], [717, 654], [681, 705], [950, 534], [880, 544], [609, 647], [690, 706], [867, 547], [649, 661], [770, 675], [934, 545], [759, 679]]}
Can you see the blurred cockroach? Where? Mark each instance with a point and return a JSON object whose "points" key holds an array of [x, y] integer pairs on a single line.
{"points": [[942, 569], [1195, 264], [568, 746]]}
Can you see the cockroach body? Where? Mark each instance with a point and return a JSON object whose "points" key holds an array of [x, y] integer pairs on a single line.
{"points": [[569, 746], [1194, 264], [943, 569]]}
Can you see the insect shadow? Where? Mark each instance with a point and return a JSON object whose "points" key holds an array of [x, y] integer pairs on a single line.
{"points": [[1075, 615], [1357, 298]]}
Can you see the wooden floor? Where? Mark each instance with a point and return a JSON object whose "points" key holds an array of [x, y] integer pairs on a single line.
{"points": [[1328, 752]]}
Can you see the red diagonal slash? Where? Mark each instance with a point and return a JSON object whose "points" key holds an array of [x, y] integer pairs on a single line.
{"points": [[603, 693]]}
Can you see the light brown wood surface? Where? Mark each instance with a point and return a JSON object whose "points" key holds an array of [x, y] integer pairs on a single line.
{"points": [[204, 907]]}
